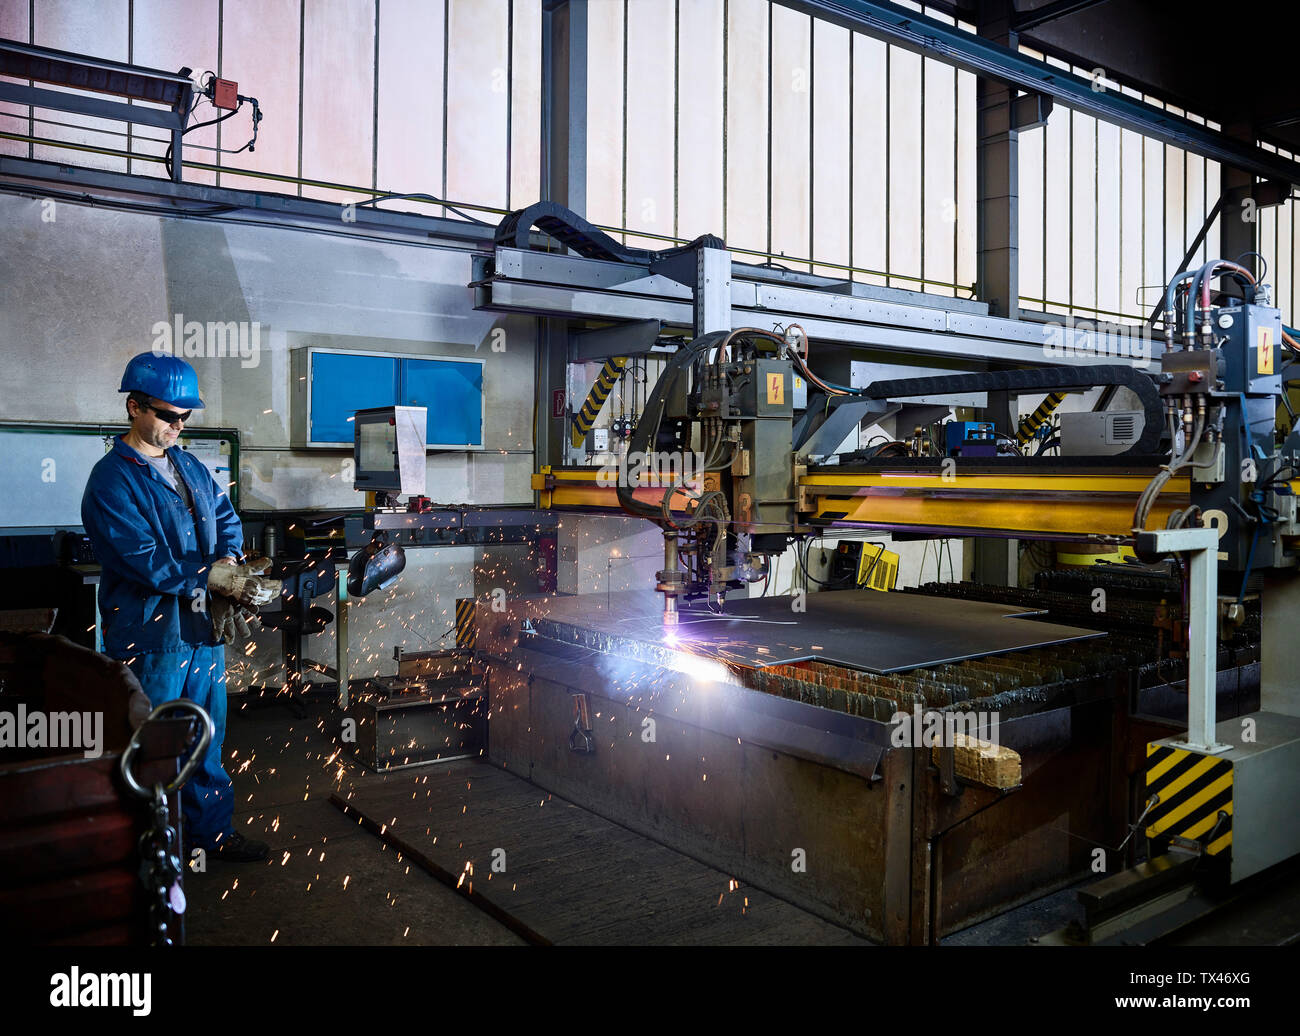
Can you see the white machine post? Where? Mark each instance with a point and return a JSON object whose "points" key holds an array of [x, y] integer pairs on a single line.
{"points": [[341, 639], [1201, 547]]}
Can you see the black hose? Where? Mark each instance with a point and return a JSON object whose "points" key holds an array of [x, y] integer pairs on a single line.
{"points": [[1039, 379], [647, 429]]}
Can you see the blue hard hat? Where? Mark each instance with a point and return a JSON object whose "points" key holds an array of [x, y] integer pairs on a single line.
{"points": [[164, 377]]}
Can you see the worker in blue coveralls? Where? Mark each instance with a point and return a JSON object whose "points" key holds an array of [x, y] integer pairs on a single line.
{"points": [[174, 587]]}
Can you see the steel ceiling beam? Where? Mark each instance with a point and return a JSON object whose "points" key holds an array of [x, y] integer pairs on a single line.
{"points": [[549, 285], [174, 90], [134, 192], [1027, 20], [921, 35]]}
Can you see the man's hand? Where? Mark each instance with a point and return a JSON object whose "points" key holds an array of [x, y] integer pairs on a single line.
{"points": [[230, 620], [244, 586], [258, 564]]}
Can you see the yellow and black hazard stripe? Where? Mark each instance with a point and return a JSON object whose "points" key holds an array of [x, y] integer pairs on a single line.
{"points": [[1029, 425], [591, 407], [466, 630], [1192, 790]]}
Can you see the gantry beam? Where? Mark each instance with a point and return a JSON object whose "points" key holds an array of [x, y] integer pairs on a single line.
{"points": [[1024, 504]]}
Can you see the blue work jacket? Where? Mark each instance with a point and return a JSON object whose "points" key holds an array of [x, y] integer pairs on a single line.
{"points": [[155, 557]]}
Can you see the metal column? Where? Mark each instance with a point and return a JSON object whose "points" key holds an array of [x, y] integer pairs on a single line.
{"points": [[1279, 689], [712, 291], [1237, 229], [997, 178], [552, 355], [341, 670], [1201, 547], [563, 180], [564, 103]]}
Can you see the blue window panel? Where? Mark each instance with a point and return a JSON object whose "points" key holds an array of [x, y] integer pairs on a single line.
{"points": [[342, 384], [453, 394]]}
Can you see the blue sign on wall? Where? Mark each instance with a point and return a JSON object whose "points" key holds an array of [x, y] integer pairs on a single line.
{"points": [[451, 391]]}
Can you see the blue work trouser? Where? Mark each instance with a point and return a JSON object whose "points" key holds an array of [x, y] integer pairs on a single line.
{"points": [[196, 672]]}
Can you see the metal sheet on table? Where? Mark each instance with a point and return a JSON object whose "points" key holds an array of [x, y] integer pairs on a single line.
{"points": [[862, 629]]}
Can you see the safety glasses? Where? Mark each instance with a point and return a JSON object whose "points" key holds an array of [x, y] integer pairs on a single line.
{"points": [[170, 416]]}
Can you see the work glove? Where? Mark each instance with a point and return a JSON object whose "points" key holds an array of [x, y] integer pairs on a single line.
{"points": [[230, 620], [243, 584], [258, 564]]}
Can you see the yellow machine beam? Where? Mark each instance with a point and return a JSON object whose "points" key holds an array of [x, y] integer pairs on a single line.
{"points": [[564, 488], [1029, 504]]}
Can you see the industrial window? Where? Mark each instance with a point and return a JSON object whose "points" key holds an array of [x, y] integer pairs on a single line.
{"points": [[1106, 214], [1279, 243], [798, 141], [440, 97], [802, 143]]}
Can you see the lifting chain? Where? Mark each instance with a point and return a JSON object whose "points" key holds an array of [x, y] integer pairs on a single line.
{"points": [[160, 851]]}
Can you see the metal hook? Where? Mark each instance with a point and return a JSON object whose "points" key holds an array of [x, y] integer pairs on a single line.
{"points": [[191, 764]]}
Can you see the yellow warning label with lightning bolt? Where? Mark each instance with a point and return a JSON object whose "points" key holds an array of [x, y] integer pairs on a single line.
{"points": [[1265, 359]]}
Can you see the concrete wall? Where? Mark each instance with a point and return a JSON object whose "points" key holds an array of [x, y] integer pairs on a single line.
{"points": [[599, 554], [81, 293], [82, 288]]}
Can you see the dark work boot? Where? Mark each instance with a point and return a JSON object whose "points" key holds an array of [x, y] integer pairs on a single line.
{"points": [[235, 848]]}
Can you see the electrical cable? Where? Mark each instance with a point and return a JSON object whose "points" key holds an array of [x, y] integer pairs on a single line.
{"points": [[167, 158], [895, 446], [1012, 440], [1166, 472], [692, 620], [423, 197], [647, 429], [1263, 264], [1250, 560], [125, 206], [807, 545], [830, 388], [880, 553]]}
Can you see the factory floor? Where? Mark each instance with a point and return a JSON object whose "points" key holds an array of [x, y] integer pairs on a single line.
{"points": [[329, 882], [332, 880]]}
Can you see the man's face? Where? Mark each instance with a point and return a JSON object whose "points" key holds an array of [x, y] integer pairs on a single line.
{"points": [[153, 429]]}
